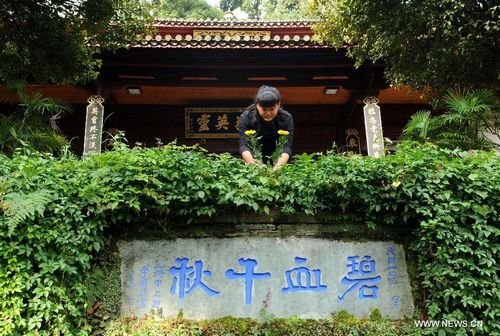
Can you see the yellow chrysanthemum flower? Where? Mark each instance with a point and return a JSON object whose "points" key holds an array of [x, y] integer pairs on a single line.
{"points": [[250, 132], [283, 132]]}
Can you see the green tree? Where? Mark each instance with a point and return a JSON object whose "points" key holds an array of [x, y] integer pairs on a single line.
{"points": [[253, 8], [425, 43], [268, 9], [57, 40], [285, 10], [187, 9], [469, 116], [230, 5]]}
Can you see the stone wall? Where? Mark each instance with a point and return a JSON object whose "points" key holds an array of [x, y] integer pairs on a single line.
{"points": [[308, 271]]}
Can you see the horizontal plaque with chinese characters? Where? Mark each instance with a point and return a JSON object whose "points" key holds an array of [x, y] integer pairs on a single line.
{"points": [[306, 277], [213, 122], [228, 34]]}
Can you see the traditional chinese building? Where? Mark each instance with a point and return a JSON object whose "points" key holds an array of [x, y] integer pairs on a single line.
{"points": [[190, 80]]}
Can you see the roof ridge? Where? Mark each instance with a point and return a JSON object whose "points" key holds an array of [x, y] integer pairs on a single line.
{"points": [[233, 22]]}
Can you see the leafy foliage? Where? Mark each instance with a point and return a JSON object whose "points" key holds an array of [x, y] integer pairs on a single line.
{"points": [[104, 288], [267, 9], [56, 41], [421, 127], [230, 5], [425, 43], [449, 198], [21, 207], [470, 116], [34, 124], [285, 10], [187, 9]]}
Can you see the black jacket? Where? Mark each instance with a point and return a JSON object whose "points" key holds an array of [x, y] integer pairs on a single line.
{"points": [[268, 131]]}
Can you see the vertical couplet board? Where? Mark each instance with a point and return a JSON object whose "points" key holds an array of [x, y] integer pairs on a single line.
{"points": [[373, 127], [93, 125]]}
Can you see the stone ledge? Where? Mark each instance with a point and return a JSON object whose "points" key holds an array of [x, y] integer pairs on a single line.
{"points": [[346, 231]]}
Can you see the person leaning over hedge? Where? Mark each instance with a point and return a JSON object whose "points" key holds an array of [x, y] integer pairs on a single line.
{"points": [[266, 120]]}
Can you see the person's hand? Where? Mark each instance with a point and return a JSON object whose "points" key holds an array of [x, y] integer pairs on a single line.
{"points": [[254, 162], [281, 161], [248, 158]]}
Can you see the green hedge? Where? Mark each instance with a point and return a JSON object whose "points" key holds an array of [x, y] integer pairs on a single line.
{"points": [[55, 213]]}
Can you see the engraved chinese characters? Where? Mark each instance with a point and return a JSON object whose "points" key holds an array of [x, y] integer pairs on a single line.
{"points": [[93, 125], [306, 277], [303, 278], [360, 275], [188, 278], [373, 126], [223, 122]]}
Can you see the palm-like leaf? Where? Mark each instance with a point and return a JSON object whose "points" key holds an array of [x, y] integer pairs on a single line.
{"points": [[420, 127], [37, 103], [44, 141], [34, 124], [470, 114]]}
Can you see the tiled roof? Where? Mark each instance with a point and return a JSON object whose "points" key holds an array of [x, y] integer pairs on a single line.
{"points": [[236, 42], [231, 35], [233, 24]]}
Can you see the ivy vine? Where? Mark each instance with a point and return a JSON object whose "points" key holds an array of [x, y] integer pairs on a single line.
{"points": [[55, 212]]}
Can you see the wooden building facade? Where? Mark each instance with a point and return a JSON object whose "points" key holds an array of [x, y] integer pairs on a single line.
{"points": [[162, 87]]}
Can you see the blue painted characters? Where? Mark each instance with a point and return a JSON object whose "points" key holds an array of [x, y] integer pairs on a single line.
{"points": [[360, 280], [392, 276], [249, 276], [158, 274], [189, 278], [360, 275], [301, 280], [143, 282]]}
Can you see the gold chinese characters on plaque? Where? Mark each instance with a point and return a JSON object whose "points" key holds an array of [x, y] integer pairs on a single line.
{"points": [[231, 35], [212, 122]]}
